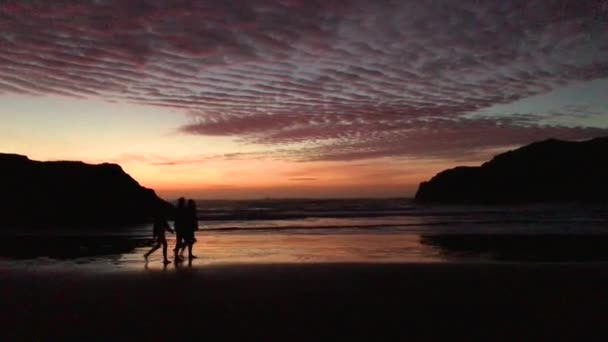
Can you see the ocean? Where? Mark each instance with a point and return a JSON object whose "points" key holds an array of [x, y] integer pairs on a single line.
{"points": [[341, 230], [397, 215]]}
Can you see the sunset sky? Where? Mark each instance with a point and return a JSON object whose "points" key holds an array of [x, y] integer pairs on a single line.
{"points": [[297, 98]]}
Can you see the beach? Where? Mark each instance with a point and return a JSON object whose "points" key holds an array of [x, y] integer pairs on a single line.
{"points": [[405, 301], [421, 273]]}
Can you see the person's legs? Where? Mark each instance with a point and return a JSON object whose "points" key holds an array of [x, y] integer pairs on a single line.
{"points": [[190, 244], [154, 248], [178, 238], [179, 243], [164, 243]]}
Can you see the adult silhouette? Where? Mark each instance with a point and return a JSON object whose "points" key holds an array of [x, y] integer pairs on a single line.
{"points": [[181, 222], [190, 226], [160, 226]]}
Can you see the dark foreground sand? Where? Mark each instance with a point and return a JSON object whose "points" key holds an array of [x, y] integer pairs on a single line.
{"points": [[309, 302]]}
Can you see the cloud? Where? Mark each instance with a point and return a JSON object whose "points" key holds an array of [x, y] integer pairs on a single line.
{"points": [[350, 79], [192, 159]]}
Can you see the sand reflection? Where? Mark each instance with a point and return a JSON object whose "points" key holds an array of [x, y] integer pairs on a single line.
{"points": [[278, 248]]}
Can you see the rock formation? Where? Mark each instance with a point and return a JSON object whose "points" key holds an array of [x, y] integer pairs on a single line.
{"points": [[546, 171], [66, 193]]}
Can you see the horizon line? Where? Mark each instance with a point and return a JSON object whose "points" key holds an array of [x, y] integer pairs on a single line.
{"points": [[292, 198]]}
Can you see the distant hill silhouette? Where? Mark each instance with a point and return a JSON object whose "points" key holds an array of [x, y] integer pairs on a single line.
{"points": [[546, 171], [67, 193]]}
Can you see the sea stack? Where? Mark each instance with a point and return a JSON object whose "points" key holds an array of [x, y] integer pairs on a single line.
{"points": [[542, 172], [68, 193]]}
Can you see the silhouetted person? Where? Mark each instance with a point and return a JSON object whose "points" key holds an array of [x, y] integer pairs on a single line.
{"points": [[191, 225], [160, 226], [181, 222]]}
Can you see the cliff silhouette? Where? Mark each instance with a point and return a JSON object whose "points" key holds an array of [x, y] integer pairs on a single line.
{"points": [[546, 171], [69, 193]]}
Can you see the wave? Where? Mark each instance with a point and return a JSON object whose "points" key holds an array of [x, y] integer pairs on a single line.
{"points": [[259, 210], [440, 226]]}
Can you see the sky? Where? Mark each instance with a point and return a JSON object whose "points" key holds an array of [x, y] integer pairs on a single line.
{"points": [[297, 98]]}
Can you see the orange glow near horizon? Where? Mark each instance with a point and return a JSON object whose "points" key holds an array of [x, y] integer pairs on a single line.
{"points": [[281, 179]]}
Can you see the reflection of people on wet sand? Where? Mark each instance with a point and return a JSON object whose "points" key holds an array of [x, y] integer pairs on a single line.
{"points": [[190, 226], [160, 226]]}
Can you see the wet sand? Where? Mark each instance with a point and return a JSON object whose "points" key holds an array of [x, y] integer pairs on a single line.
{"points": [[289, 302]]}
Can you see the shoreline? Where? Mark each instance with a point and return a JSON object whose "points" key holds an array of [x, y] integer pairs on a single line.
{"points": [[125, 251]]}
